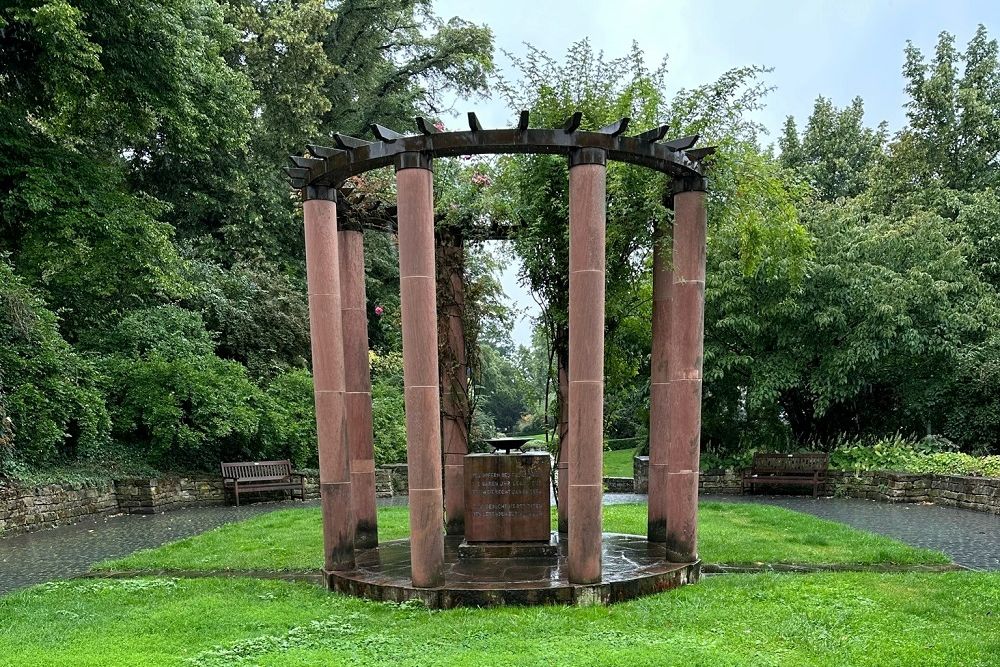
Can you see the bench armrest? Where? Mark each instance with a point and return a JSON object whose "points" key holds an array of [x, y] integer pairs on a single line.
{"points": [[297, 473]]}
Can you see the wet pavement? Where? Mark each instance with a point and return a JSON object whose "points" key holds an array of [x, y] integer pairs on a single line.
{"points": [[971, 539], [68, 551], [630, 567]]}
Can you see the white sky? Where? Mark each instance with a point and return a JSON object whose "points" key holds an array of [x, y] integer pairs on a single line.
{"points": [[836, 48]]}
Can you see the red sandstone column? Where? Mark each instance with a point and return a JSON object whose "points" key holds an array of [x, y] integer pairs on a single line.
{"points": [[326, 333], [357, 381], [417, 288], [454, 377], [659, 380], [562, 465], [686, 351], [587, 184]]}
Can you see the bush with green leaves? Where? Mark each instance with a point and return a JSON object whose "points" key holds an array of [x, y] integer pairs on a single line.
{"points": [[932, 454], [172, 398], [288, 422], [388, 409], [54, 408]]}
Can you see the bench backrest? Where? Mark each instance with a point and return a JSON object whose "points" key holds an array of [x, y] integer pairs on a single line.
{"points": [[805, 463], [257, 471]]}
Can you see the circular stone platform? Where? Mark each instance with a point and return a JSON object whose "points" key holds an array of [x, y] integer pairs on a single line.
{"points": [[632, 567]]}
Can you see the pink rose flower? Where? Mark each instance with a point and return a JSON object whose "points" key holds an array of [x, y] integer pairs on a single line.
{"points": [[379, 310]]}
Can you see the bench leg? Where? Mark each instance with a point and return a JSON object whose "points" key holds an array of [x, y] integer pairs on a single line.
{"points": [[237, 490]]}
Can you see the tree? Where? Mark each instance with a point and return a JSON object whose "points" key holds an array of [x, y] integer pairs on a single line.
{"points": [[835, 150]]}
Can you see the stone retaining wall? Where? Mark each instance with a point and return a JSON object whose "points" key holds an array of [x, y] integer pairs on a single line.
{"points": [[981, 494], [28, 508], [24, 509]]}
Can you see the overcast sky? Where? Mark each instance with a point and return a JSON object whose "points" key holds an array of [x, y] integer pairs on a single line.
{"points": [[839, 49]]}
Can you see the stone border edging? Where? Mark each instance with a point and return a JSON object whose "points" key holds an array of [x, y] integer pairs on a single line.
{"points": [[805, 568]]}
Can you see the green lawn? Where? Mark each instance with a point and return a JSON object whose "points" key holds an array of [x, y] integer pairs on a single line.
{"points": [[794, 620], [618, 463], [730, 533]]}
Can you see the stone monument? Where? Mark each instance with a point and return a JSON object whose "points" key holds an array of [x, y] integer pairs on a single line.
{"points": [[507, 503]]}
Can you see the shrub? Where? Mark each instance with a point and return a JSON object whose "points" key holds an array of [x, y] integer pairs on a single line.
{"points": [[388, 409], [185, 412], [288, 423], [55, 410], [933, 454]]}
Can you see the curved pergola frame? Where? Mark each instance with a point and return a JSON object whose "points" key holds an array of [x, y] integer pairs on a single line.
{"points": [[338, 327]]}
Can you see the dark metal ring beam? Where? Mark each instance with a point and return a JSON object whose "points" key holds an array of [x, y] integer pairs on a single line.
{"points": [[362, 156]]}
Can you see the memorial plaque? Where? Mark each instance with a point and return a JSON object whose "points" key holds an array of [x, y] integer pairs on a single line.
{"points": [[507, 497]]}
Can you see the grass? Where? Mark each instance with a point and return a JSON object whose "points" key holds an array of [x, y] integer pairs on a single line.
{"points": [[730, 533], [783, 620], [618, 463]]}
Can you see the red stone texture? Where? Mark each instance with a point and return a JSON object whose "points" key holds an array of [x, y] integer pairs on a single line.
{"points": [[325, 324], [659, 416], [507, 497], [357, 382], [420, 373], [454, 379], [562, 465], [687, 315], [682, 521], [587, 192]]}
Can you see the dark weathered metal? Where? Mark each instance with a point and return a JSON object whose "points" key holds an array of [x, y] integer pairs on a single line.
{"points": [[296, 172], [617, 128], [690, 183], [368, 156], [425, 127], [522, 122], [383, 133], [413, 160], [355, 156], [587, 156], [305, 162], [573, 123], [320, 192], [346, 142], [699, 154], [682, 143], [323, 151], [654, 135]]}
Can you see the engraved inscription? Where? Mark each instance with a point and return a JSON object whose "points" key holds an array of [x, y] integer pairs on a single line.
{"points": [[507, 497]]}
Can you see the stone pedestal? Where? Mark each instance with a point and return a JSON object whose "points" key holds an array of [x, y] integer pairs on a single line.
{"points": [[507, 501]]}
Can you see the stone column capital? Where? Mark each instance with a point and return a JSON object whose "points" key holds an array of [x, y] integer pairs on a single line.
{"points": [[579, 156], [413, 160], [320, 192]]}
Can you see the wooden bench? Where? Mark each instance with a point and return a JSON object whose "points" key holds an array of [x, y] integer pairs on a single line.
{"points": [[263, 476], [802, 469]]}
